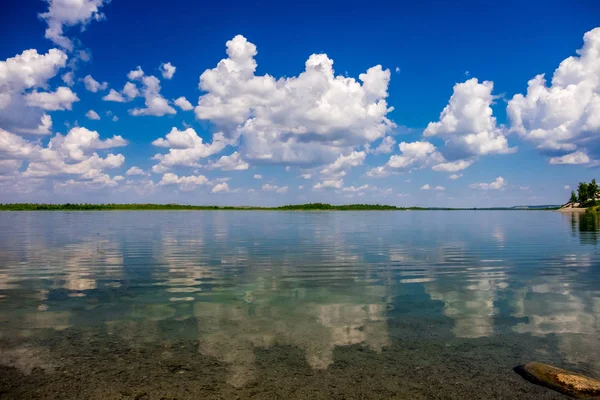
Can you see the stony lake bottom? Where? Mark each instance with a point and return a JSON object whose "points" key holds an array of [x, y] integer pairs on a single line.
{"points": [[261, 304]]}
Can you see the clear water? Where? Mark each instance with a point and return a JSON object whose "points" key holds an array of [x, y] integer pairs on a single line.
{"points": [[296, 304]]}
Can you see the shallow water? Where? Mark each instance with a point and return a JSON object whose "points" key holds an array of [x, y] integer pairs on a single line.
{"points": [[245, 304]]}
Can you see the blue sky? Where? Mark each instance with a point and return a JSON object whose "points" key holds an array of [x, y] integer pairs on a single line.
{"points": [[406, 104]]}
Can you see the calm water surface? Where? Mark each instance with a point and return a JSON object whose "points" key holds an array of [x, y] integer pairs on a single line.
{"points": [[146, 305]]}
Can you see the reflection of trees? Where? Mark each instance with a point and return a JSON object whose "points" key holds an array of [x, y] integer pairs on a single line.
{"points": [[585, 225], [589, 224]]}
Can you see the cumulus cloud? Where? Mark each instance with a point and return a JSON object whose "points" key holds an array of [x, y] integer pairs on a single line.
{"points": [[186, 148], [75, 153], [455, 176], [308, 119], [135, 171], [378, 172], [62, 99], [467, 123], [344, 163], [93, 85], [22, 110], [68, 13], [386, 146], [130, 91], [167, 70], [578, 157], [233, 162], [220, 187], [355, 189], [156, 105], [413, 155], [329, 183], [113, 95], [91, 114], [564, 117], [257, 176], [498, 184], [428, 187], [185, 183], [267, 187], [184, 104], [453, 166], [135, 74]]}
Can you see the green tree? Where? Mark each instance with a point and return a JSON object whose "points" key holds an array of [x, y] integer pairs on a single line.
{"points": [[593, 189], [582, 192], [573, 197]]}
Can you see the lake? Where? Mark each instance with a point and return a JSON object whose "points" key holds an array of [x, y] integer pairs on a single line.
{"points": [[261, 304]]}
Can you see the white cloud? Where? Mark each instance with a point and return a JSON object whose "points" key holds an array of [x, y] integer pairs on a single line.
{"points": [[115, 118], [62, 99], [113, 95], [186, 148], [413, 155], [453, 166], [564, 117], [343, 163], [28, 70], [425, 187], [306, 176], [156, 105], [329, 183], [91, 114], [468, 124], [184, 104], [439, 188], [186, 183], [67, 13], [386, 146], [232, 162], [578, 157], [355, 189], [220, 187], [305, 120], [68, 78], [135, 171], [72, 154], [44, 128], [96, 182], [167, 70], [378, 172], [267, 187], [498, 184], [130, 90], [135, 74], [93, 85], [567, 187], [455, 176], [257, 176]]}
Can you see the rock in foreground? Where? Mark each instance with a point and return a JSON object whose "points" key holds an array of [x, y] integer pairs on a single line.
{"points": [[561, 380]]}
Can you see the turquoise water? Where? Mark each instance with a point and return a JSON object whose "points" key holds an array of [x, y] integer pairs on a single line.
{"points": [[429, 304]]}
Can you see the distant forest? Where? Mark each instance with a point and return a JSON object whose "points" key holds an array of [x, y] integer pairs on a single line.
{"points": [[291, 207]]}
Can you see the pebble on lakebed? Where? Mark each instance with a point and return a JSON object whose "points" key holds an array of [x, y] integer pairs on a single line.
{"points": [[561, 380]]}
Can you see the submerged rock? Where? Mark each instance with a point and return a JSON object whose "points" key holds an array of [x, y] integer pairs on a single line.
{"points": [[561, 380]]}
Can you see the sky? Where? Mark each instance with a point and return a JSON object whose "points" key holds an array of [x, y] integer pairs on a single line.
{"points": [[431, 103]]}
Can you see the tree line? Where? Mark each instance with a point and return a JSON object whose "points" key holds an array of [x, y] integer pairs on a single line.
{"points": [[586, 194]]}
